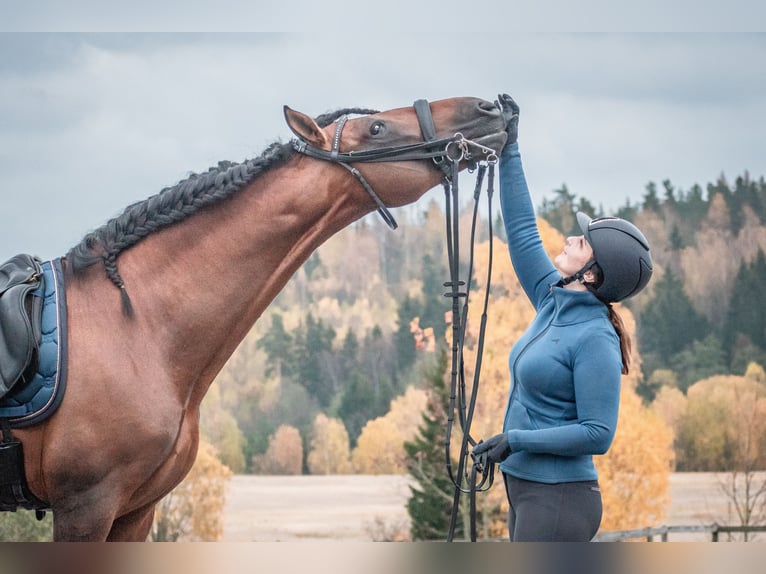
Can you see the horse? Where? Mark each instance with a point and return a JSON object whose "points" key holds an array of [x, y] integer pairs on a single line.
{"points": [[159, 297]]}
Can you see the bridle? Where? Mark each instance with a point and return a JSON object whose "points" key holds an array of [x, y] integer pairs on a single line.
{"points": [[446, 154], [443, 152]]}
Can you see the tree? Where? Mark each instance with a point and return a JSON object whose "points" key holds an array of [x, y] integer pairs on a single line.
{"points": [[219, 427], [702, 359], [278, 345], [747, 309], [669, 323], [313, 348], [329, 447], [722, 428], [430, 502], [380, 448], [744, 486], [408, 309], [194, 509], [284, 455], [634, 474]]}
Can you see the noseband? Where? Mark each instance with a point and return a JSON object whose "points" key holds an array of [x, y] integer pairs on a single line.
{"points": [[444, 152]]}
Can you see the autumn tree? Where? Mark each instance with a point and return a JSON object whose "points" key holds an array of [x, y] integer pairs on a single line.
{"points": [[194, 509], [634, 474], [329, 452], [744, 486], [284, 454], [219, 427], [722, 428], [380, 448]]}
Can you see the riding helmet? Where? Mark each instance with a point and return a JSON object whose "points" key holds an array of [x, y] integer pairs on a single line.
{"points": [[622, 253]]}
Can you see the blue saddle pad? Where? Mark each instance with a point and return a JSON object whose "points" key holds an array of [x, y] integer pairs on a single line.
{"points": [[31, 403]]}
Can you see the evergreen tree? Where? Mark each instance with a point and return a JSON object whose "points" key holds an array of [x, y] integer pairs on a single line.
{"points": [[559, 211], [313, 348], [278, 345], [434, 302], [669, 324], [651, 199], [430, 503], [700, 360], [746, 319], [408, 309]]}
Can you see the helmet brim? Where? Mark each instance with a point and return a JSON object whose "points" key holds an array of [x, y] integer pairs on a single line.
{"points": [[584, 222]]}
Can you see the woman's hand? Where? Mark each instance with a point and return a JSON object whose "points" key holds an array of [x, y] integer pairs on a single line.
{"points": [[511, 114], [496, 447]]}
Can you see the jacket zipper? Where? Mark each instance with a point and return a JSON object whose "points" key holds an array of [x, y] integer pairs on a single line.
{"points": [[524, 350]]}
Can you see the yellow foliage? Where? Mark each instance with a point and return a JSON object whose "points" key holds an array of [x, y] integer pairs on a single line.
{"points": [[194, 509], [670, 404], [380, 447], [725, 420], [329, 452], [634, 474]]}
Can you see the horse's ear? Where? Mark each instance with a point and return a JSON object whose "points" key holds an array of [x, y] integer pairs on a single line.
{"points": [[306, 128]]}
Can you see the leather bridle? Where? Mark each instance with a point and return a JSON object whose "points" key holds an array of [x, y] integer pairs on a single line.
{"points": [[443, 152], [446, 153]]}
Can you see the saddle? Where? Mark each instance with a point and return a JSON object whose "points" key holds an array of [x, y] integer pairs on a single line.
{"points": [[21, 304]]}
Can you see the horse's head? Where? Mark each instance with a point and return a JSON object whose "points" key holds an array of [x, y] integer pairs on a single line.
{"points": [[397, 152]]}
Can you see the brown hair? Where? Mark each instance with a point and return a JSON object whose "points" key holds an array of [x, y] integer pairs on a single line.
{"points": [[614, 318], [625, 342]]}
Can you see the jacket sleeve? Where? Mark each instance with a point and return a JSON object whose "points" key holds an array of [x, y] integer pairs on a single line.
{"points": [[597, 376], [530, 261]]}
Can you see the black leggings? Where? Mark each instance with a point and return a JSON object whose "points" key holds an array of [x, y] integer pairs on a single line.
{"points": [[563, 512]]}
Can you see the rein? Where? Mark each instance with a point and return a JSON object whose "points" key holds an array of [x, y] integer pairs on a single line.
{"points": [[446, 153], [457, 383]]}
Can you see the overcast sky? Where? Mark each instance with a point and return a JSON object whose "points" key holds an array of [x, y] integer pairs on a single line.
{"points": [[92, 122]]}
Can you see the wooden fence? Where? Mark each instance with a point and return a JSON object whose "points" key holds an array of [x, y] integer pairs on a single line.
{"points": [[663, 532]]}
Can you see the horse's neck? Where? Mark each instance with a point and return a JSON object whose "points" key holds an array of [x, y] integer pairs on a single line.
{"points": [[207, 280]]}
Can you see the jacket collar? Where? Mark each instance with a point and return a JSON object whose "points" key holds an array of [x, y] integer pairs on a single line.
{"points": [[576, 306]]}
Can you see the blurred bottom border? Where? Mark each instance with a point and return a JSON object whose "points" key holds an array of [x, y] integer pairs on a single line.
{"points": [[380, 558]]}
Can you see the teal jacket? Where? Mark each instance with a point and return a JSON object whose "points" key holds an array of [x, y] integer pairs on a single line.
{"points": [[565, 369]]}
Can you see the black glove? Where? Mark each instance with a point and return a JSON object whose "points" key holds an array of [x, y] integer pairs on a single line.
{"points": [[511, 114], [497, 448]]}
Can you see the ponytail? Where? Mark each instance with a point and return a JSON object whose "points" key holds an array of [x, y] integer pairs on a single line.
{"points": [[614, 318], [625, 343]]}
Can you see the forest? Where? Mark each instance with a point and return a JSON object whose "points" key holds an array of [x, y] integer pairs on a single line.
{"points": [[341, 373], [347, 370]]}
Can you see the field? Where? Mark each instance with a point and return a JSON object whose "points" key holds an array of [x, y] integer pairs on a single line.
{"points": [[365, 508]]}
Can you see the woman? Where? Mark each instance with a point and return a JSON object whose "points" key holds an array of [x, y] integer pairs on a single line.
{"points": [[565, 369]]}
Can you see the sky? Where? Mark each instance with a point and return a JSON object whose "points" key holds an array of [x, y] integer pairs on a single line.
{"points": [[91, 122]]}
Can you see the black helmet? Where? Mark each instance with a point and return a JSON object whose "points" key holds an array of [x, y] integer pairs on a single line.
{"points": [[622, 253]]}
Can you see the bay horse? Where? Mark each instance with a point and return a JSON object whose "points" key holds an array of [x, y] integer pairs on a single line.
{"points": [[159, 297]]}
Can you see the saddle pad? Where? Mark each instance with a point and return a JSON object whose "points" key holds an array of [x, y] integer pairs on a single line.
{"points": [[35, 401]]}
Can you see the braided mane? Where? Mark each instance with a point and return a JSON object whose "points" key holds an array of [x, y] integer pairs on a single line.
{"points": [[176, 203], [169, 206]]}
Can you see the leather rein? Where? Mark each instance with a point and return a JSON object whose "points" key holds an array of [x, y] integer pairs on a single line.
{"points": [[446, 153]]}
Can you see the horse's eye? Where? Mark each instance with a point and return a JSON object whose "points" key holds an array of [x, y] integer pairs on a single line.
{"points": [[377, 128]]}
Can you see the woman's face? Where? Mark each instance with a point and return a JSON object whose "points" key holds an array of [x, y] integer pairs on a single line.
{"points": [[577, 252]]}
